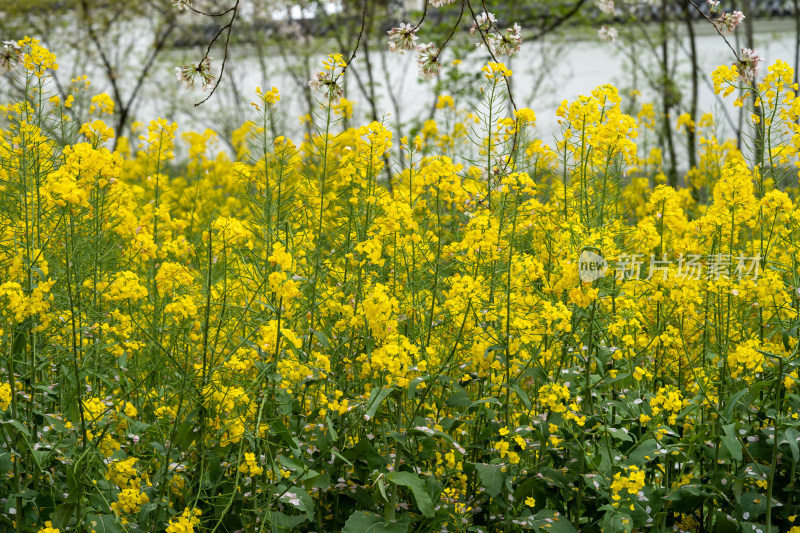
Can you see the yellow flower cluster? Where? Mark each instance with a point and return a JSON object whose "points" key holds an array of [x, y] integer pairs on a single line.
{"points": [[36, 58], [668, 401], [129, 501], [5, 396], [185, 522], [496, 71], [627, 483]]}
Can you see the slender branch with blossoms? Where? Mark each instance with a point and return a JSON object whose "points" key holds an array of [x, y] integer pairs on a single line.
{"points": [[499, 43], [186, 74], [477, 25], [713, 4], [725, 23]]}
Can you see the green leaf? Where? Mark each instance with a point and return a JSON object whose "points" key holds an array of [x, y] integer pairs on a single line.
{"points": [[322, 338], [490, 400], [22, 429], [549, 521], [437, 433], [364, 451], [417, 486], [616, 522], [286, 437], [104, 523], [793, 437], [412, 387], [688, 498], [643, 453], [619, 434], [376, 397], [723, 524], [6, 465], [63, 514], [732, 442], [459, 399], [523, 396], [186, 434], [753, 503], [492, 477], [730, 404], [362, 522], [382, 488], [282, 521], [305, 504]]}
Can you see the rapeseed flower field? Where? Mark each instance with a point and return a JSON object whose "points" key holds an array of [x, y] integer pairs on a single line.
{"points": [[494, 333]]}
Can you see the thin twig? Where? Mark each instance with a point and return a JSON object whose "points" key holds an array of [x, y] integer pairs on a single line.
{"points": [[360, 33], [229, 27], [452, 30], [489, 49], [424, 12], [220, 14], [559, 21]]}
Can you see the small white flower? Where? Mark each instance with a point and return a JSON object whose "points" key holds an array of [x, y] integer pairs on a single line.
{"points": [[402, 38], [186, 74], [608, 34], [428, 61], [483, 22], [749, 65], [606, 6]]}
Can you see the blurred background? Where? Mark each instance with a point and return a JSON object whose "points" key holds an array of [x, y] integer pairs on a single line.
{"points": [[663, 52]]}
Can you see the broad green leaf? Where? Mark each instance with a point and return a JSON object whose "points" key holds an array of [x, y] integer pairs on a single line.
{"points": [[793, 437], [549, 521], [362, 522], [646, 451], [619, 434], [375, 399], [417, 486], [104, 523], [459, 399], [282, 522], [6, 465], [730, 404], [299, 498], [523, 396], [617, 522], [492, 477], [732, 442]]}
